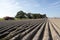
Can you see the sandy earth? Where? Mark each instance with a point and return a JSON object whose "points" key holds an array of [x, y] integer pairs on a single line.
{"points": [[36, 29]]}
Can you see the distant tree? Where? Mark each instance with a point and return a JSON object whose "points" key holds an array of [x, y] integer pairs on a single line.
{"points": [[29, 15], [9, 18], [35, 16], [21, 14], [44, 16]]}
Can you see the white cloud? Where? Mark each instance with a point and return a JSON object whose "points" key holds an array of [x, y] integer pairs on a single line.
{"points": [[53, 5], [8, 7]]}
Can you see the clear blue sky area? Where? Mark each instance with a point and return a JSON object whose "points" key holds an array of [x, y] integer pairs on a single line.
{"points": [[49, 7]]}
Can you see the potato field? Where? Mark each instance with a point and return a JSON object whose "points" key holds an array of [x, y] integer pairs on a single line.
{"points": [[30, 29]]}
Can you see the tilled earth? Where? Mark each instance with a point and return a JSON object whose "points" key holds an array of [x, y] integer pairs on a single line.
{"points": [[32, 29]]}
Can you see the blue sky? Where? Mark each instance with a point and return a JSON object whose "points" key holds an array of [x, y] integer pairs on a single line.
{"points": [[11, 7]]}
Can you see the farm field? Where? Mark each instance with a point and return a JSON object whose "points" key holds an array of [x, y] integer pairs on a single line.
{"points": [[32, 29]]}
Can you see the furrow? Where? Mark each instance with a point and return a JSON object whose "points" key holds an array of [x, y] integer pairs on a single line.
{"points": [[23, 33], [30, 35], [38, 34], [54, 34], [46, 33]]}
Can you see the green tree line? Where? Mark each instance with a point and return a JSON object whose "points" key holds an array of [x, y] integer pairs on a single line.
{"points": [[21, 14]]}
